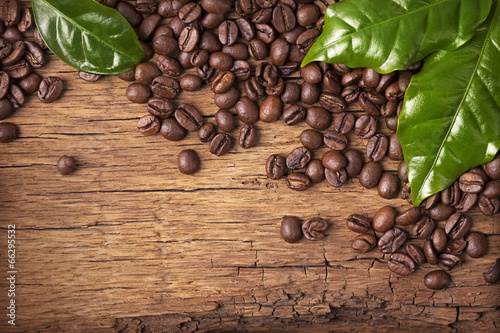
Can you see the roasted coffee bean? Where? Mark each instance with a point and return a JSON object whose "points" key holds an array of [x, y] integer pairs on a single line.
{"points": [[279, 52], [291, 229], [456, 246], [402, 171], [50, 89], [66, 165], [318, 118], [311, 139], [298, 182], [363, 243], [384, 219], [336, 178], [294, 114], [199, 58], [262, 16], [450, 196], [147, 7], [228, 32], [127, 76], [190, 82], [315, 171], [188, 39], [358, 223], [188, 162], [371, 78], [391, 123], [350, 93], [241, 70], [6, 108], [467, 201], [168, 66], [5, 48], [16, 96], [332, 102], [376, 147], [277, 89], [146, 72], [308, 15], [211, 21], [266, 74], [190, 12], [393, 93], [493, 273], [184, 59], [391, 240], [89, 77], [247, 110], [225, 120], [38, 39], [354, 162], [148, 26], [310, 93], [11, 12], [217, 6], [148, 125], [129, 12], [492, 189], [220, 144], [334, 160], [370, 174], [220, 61], [223, 82], [313, 228], [344, 122], [188, 117], [389, 108], [440, 211], [257, 49], [207, 73], [207, 132], [352, 77], [172, 130], [228, 99], [163, 30], [437, 280], [298, 158], [492, 168], [488, 206], [311, 73], [388, 186], [246, 29], [368, 106], [169, 8], [254, 89], [27, 21], [19, 70], [335, 140], [430, 253], [160, 107], [306, 39], [365, 126], [288, 68], [12, 35], [34, 54], [166, 45], [448, 261], [270, 109], [265, 33], [401, 264], [471, 182], [17, 53], [210, 42], [477, 245], [457, 225], [409, 216], [415, 253], [275, 167], [423, 228], [248, 136], [8, 132], [165, 86], [394, 150]]}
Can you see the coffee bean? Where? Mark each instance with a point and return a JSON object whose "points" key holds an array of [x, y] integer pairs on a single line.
{"points": [[315, 171], [318, 118], [220, 144], [402, 171], [247, 110], [437, 280], [298, 182], [332, 102], [477, 245], [254, 89], [440, 212], [66, 165], [448, 261], [217, 6], [492, 168], [415, 253], [8, 132], [220, 61], [467, 201], [354, 162], [298, 158], [190, 82], [241, 70], [488, 206], [168, 45], [168, 66], [423, 228], [410, 216], [471, 182], [188, 162], [237, 52], [147, 7], [401, 264], [129, 12], [493, 273], [6, 108], [89, 77], [27, 21], [376, 147], [188, 39], [227, 99], [210, 42], [291, 229], [391, 240], [334, 160], [313, 228], [358, 223], [457, 225], [34, 54], [492, 189], [365, 126], [363, 243], [145, 73], [262, 16], [388, 185], [450, 196], [311, 73], [335, 140], [11, 12], [270, 109], [228, 32], [50, 89], [430, 253], [344, 122], [392, 93], [367, 105], [350, 93], [248, 136], [370, 174], [310, 93], [306, 39], [336, 178], [311, 139], [222, 82], [394, 151], [279, 52], [308, 15], [294, 114], [148, 26], [207, 73], [165, 86], [275, 167], [456, 246], [391, 123], [225, 120], [160, 107], [16, 96], [188, 117], [207, 132], [148, 125], [384, 219]]}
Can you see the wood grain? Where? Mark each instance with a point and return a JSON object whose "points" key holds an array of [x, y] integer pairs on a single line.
{"points": [[129, 244]]}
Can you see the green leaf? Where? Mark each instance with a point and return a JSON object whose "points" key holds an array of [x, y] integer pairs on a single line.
{"points": [[87, 35], [451, 114], [389, 35]]}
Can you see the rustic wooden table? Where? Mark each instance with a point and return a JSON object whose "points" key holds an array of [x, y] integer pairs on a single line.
{"points": [[129, 244]]}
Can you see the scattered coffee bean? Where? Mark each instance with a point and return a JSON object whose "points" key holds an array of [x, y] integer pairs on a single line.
{"points": [[437, 280], [291, 229], [363, 243], [66, 165], [313, 228], [188, 161], [401, 264], [493, 273]]}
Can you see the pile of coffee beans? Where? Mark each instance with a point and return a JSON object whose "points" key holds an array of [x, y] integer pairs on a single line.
{"points": [[21, 53]]}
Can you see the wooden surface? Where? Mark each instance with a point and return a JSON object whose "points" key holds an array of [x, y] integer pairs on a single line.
{"points": [[129, 244]]}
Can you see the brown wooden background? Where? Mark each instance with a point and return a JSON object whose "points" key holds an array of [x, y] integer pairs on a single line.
{"points": [[129, 244]]}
